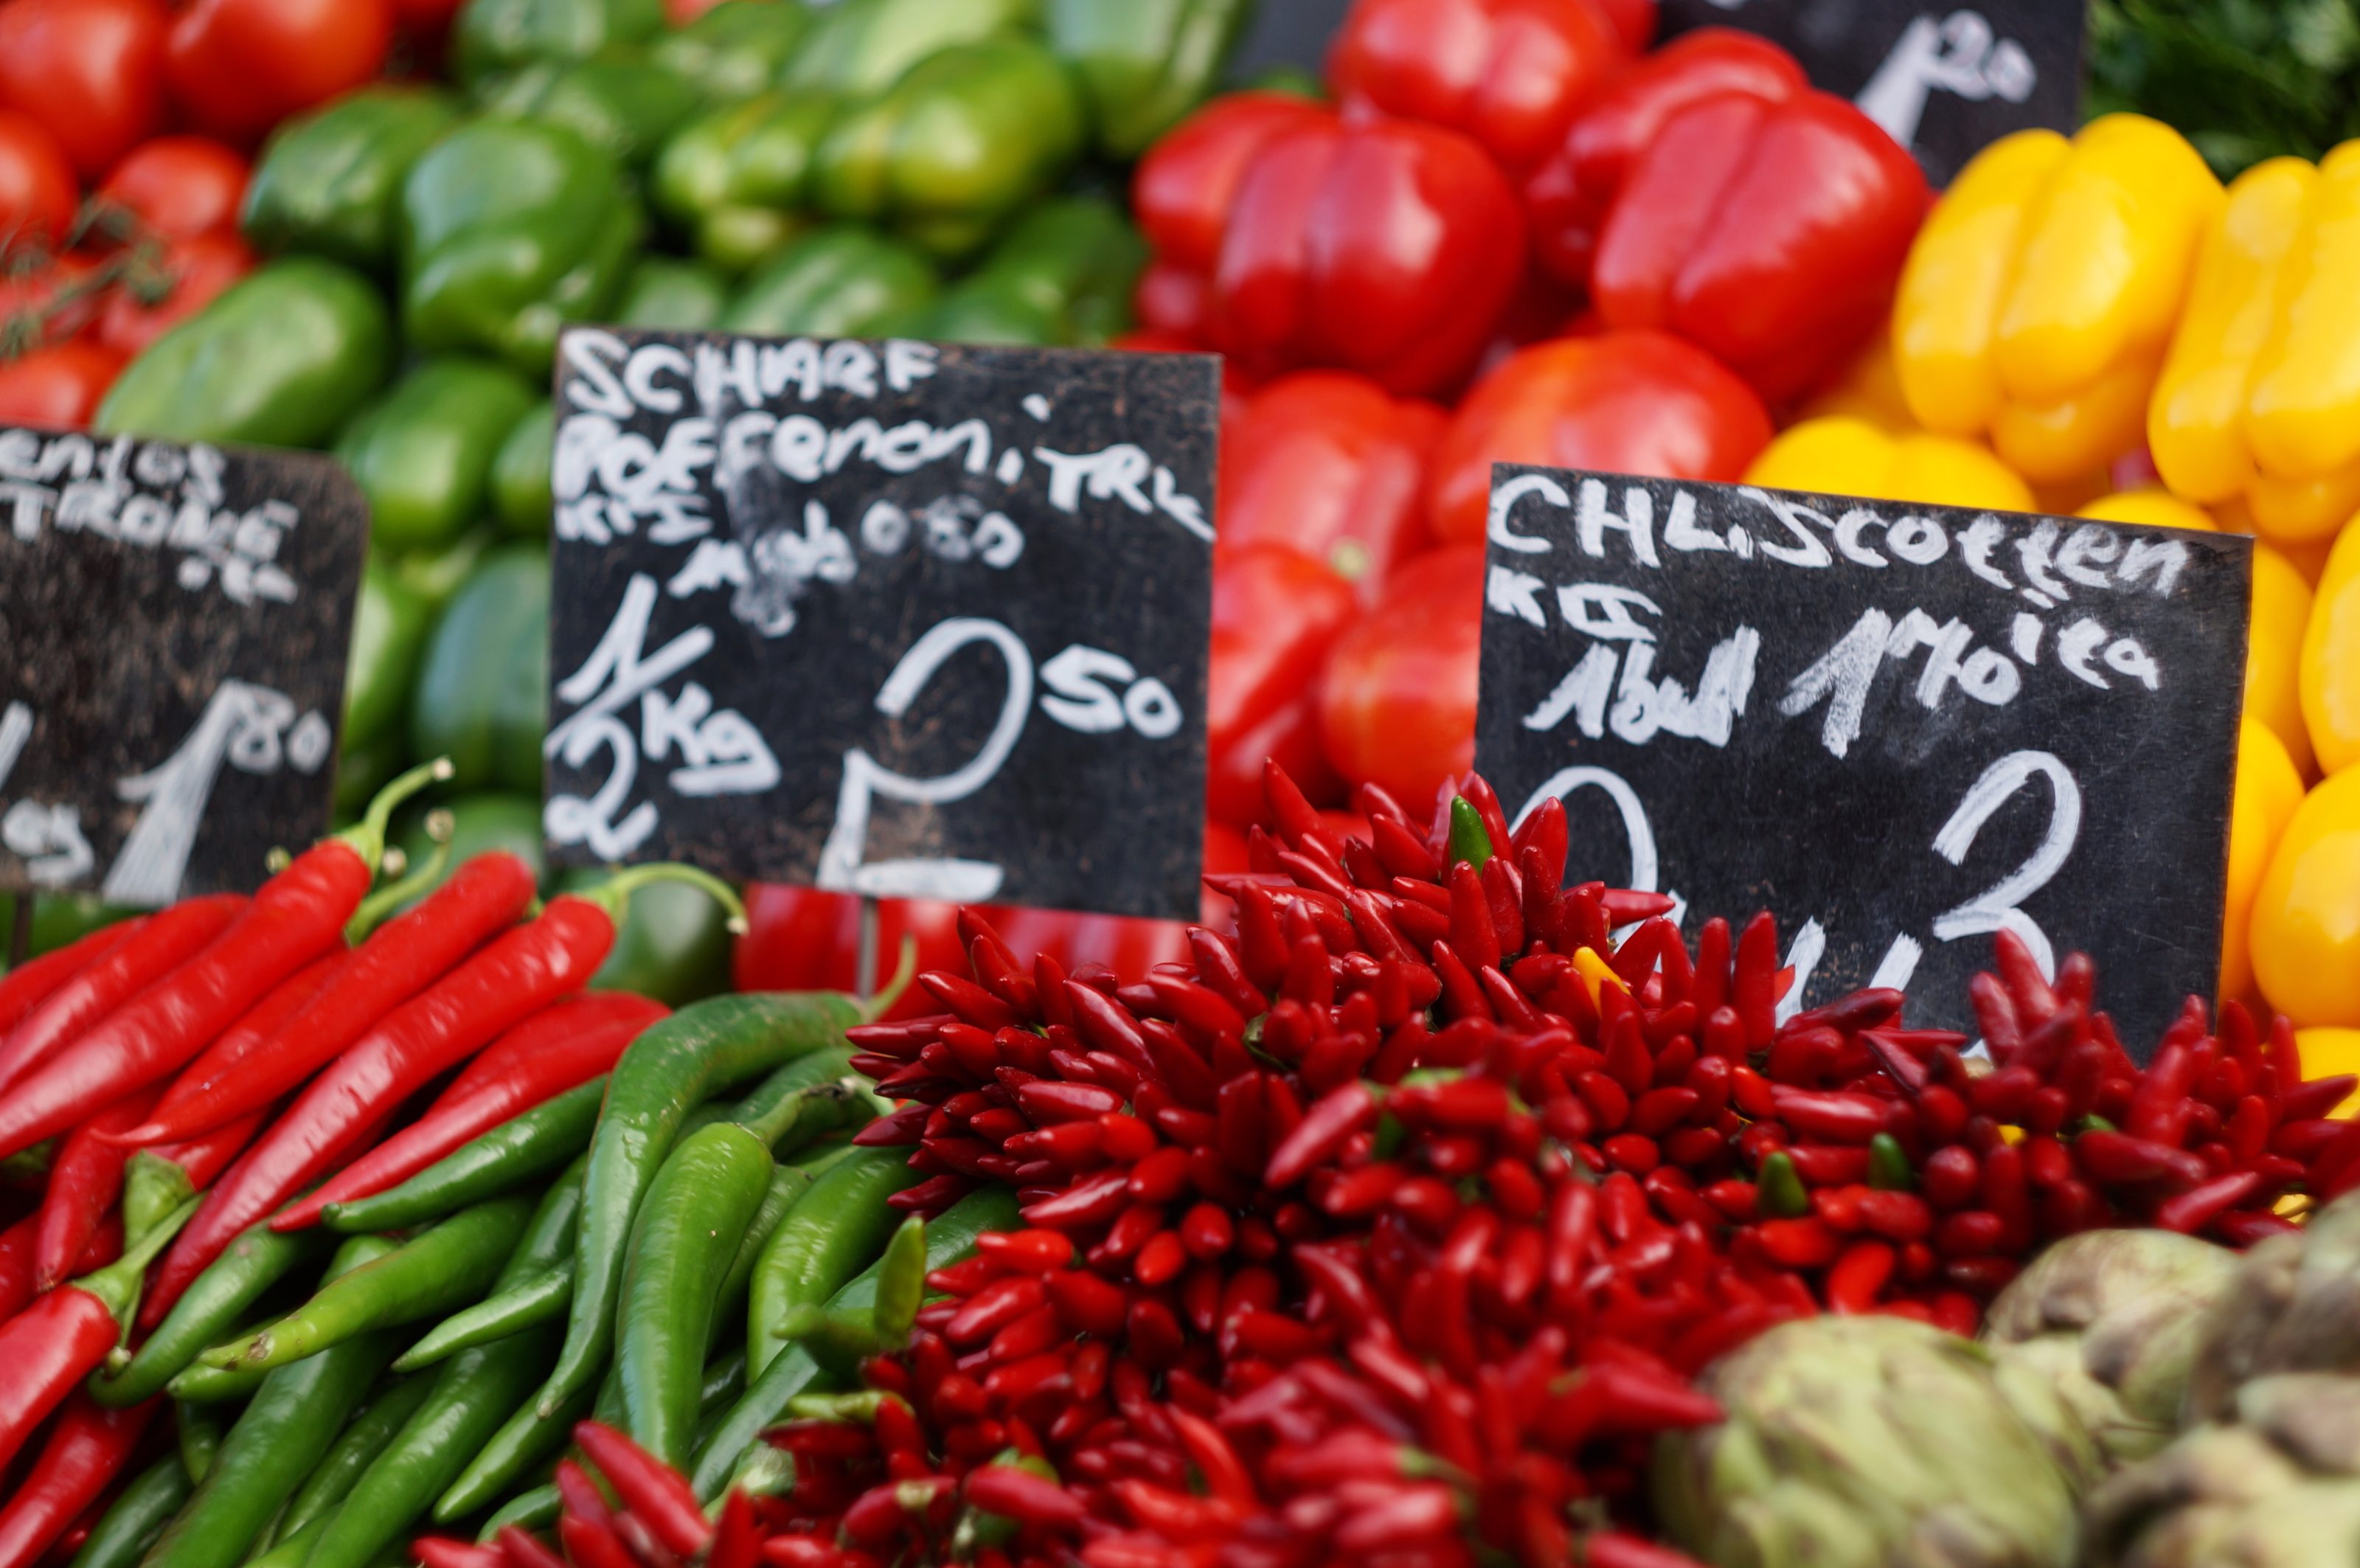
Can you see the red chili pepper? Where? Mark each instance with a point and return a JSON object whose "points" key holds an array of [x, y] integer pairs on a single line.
{"points": [[591, 1544], [32, 982], [1614, 1549], [139, 954], [445, 1552], [84, 1181], [1024, 1498], [241, 1039], [86, 1449], [407, 955], [520, 1548], [659, 1494], [1858, 1277], [2198, 1206], [561, 1048], [1334, 1118]]}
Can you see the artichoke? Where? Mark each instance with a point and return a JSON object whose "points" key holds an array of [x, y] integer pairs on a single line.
{"points": [[2292, 1306], [1875, 1442], [2111, 1319]]}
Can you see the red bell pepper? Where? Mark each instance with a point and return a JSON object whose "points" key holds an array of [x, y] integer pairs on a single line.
{"points": [[1771, 234], [1569, 195], [1331, 465], [1511, 73], [1622, 402], [1397, 700], [1275, 614], [1388, 248], [1182, 195]]}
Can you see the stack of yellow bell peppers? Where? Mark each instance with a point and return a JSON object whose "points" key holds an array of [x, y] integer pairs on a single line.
{"points": [[2094, 326]]}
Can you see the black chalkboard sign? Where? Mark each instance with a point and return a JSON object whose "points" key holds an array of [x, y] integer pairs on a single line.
{"points": [[1948, 80], [887, 618], [1291, 32], [1899, 728], [173, 626]]}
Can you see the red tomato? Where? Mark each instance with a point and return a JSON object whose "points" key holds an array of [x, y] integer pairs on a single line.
{"points": [[37, 184], [239, 67], [89, 69], [1622, 402], [34, 292], [1275, 615], [60, 384], [1397, 701], [201, 266], [180, 186]]}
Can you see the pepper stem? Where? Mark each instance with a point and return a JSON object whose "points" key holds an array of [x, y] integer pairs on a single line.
{"points": [[378, 906], [1470, 839], [904, 971], [366, 837], [614, 895], [118, 1283]]}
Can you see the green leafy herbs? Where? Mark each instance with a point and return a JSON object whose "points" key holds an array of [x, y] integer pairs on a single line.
{"points": [[2246, 79]]}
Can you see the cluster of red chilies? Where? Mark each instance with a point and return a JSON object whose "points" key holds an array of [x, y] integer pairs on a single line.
{"points": [[1393, 1226]]}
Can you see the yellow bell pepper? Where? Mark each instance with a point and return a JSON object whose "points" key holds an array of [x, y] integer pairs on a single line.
{"points": [[1846, 456], [2269, 791], [1869, 390], [2331, 656], [2305, 932], [2330, 1053], [2261, 396], [2042, 292]]}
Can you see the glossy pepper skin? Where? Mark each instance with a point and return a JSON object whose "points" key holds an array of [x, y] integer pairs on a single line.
{"points": [[2260, 398], [330, 182], [510, 229], [846, 280], [1334, 466], [626, 109], [479, 694], [1511, 73], [2306, 926], [947, 154], [1181, 194], [863, 47], [1625, 402], [1770, 234], [1840, 456], [423, 453], [2039, 298], [1062, 277], [735, 50], [1570, 193], [1388, 248], [2330, 670], [1144, 64], [389, 622], [494, 37], [1397, 699], [2267, 794], [282, 358], [736, 181], [1276, 612]]}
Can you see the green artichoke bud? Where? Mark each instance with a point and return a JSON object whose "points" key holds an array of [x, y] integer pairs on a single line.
{"points": [[1874, 1442], [2292, 1306], [2111, 1318], [2276, 1487]]}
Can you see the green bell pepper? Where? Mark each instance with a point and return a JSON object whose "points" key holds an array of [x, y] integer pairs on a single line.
{"points": [[844, 281], [861, 47], [672, 942], [423, 453], [737, 182], [494, 37], [520, 498], [365, 767], [735, 50], [389, 626], [674, 295], [1062, 277], [330, 182], [1144, 64], [479, 825], [624, 108], [482, 698], [957, 146], [512, 229], [281, 358]]}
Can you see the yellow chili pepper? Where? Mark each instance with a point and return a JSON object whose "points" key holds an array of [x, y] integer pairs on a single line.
{"points": [[2331, 655], [2041, 294], [2306, 921], [1846, 456], [2261, 396], [2269, 791]]}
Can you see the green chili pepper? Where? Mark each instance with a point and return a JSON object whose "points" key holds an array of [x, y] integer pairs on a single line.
{"points": [[202, 1385], [213, 1302], [738, 180], [1470, 839], [1779, 1190], [1144, 64], [734, 51], [838, 1231], [789, 1183], [520, 498], [389, 625], [1888, 1166], [199, 1442], [356, 1449], [956, 146], [330, 182], [673, 1067], [674, 295], [1064, 275], [137, 1516], [293, 1418], [866, 46], [536, 1509], [539, 1299], [423, 453], [455, 1262], [482, 698], [724, 1386], [288, 1551], [283, 358], [623, 107], [495, 36], [901, 1284], [526, 1441], [843, 281]]}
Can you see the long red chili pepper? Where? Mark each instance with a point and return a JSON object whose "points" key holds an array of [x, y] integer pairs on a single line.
{"points": [[156, 1181], [17, 1245], [299, 915], [33, 981], [65, 1335], [405, 956], [83, 1185], [647, 1487], [261, 1023], [87, 1448], [556, 1049], [154, 947], [501, 986]]}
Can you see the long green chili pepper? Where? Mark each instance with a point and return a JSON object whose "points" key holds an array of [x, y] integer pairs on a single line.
{"points": [[725, 1385], [507, 1157], [789, 1183], [509, 1454], [451, 1264], [364, 1438], [214, 1303], [535, 1509], [137, 1517], [217, 1385], [834, 1233], [539, 1299], [665, 1072], [200, 1439], [845, 1328], [294, 1416]]}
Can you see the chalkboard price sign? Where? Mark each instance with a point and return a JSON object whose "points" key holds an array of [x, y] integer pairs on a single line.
{"points": [[173, 626], [1947, 80], [1902, 729], [891, 618]]}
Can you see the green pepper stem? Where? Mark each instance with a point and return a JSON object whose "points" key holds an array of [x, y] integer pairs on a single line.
{"points": [[366, 837], [1470, 841], [904, 971], [614, 895], [118, 1283], [378, 906]]}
